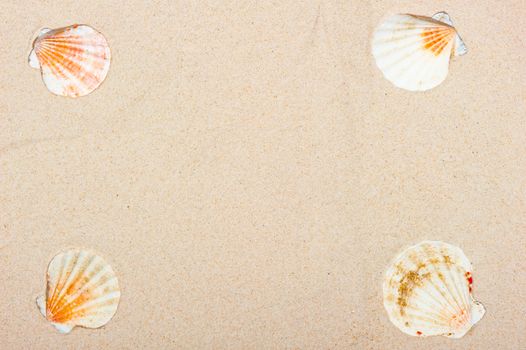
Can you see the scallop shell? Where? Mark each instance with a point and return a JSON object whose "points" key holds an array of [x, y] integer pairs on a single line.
{"points": [[82, 290], [73, 60], [413, 52], [427, 291]]}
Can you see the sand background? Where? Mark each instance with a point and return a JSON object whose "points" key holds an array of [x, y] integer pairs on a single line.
{"points": [[249, 173]]}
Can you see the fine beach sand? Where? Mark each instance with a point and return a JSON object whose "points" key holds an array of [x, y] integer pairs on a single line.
{"points": [[249, 173]]}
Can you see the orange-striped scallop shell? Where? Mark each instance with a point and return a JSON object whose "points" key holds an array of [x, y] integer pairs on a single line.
{"points": [[413, 52], [82, 290], [73, 60]]}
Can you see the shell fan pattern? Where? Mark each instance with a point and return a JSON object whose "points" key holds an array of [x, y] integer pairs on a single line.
{"points": [[82, 290], [428, 291], [413, 52], [73, 60]]}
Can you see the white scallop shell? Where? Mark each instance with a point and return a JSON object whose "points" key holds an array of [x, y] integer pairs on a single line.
{"points": [[82, 290], [73, 60], [413, 52], [427, 291]]}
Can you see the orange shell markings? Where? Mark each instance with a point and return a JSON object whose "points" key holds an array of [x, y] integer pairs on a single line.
{"points": [[436, 39], [81, 290], [73, 60]]}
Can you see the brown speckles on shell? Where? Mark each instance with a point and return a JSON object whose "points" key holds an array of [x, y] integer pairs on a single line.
{"points": [[409, 281], [427, 291]]}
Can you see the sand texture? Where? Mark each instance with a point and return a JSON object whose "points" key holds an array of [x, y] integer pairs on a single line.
{"points": [[249, 174]]}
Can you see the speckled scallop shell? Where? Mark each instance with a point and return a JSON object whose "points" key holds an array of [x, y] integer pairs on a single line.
{"points": [[413, 52], [73, 60], [82, 290], [428, 291]]}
